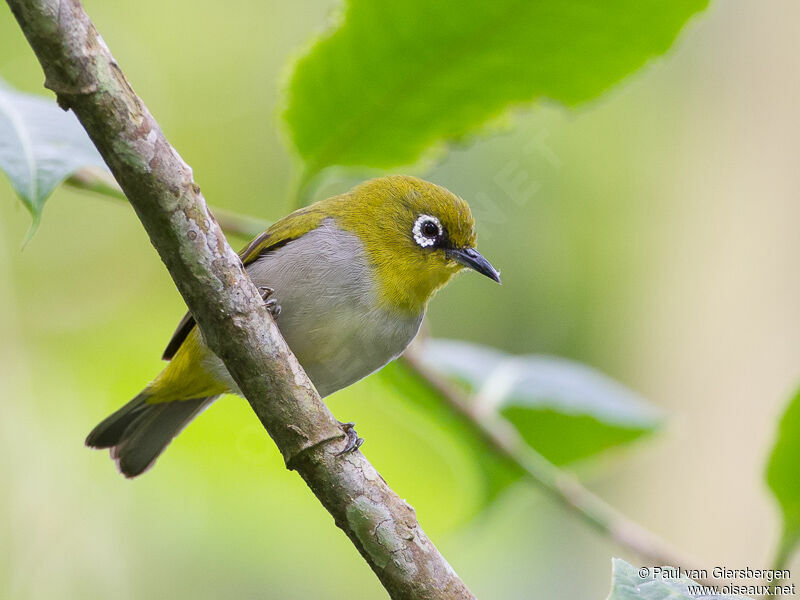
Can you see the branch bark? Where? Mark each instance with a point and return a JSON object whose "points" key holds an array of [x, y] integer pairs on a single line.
{"points": [[80, 69]]}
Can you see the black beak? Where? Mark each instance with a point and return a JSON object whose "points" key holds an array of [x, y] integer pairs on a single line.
{"points": [[469, 257]]}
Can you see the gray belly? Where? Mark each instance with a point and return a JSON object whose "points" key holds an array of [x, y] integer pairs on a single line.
{"points": [[329, 314]]}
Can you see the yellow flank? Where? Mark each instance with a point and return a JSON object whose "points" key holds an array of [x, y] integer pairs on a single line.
{"points": [[185, 377]]}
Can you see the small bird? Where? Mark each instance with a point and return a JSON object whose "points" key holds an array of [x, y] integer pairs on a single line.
{"points": [[347, 280]]}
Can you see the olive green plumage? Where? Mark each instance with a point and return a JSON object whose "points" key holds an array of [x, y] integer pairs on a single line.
{"points": [[352, 275]]}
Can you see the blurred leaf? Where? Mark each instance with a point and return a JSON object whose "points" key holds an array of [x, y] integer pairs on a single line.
{"points": [[782, 473], [396, 77], [497, 473], [563, 409], [40, 146], [626, 584]]}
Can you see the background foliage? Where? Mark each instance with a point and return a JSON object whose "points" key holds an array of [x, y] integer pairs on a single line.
{"points": [[627, 240], [396, 77]]}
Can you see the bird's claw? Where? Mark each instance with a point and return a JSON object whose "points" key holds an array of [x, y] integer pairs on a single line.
{"points": [[273, 307], [353, 441], [272, 304]]}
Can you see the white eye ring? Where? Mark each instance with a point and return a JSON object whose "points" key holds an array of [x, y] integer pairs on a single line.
{"points": [[422, 239]]}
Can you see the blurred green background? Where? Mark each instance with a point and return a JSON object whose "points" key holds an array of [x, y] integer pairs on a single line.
{"points": [[651, 234]]}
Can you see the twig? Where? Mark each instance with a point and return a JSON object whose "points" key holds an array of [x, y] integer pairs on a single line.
{"points": [[100, 182], [562, 487], [79, 68]]}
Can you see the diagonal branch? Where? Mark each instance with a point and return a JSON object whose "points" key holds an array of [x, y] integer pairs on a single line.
{"points": [[79, 68]]}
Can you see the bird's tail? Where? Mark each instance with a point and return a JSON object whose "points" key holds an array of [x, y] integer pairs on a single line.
{"points": [[139, 432]]}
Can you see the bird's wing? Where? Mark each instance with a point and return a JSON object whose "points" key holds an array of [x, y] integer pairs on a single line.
{"points": [[289, 228]]}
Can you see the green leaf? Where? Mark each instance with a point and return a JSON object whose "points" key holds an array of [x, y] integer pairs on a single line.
{"points": [[40, 146], [782, 474], [627, 583], [564, 410], [395, 78]]}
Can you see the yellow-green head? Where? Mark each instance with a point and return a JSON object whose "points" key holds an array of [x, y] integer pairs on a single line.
{"points": [[416, 234]]}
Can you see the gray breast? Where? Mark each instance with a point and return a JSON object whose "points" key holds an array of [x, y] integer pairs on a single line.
{"points": [[329, 314]]}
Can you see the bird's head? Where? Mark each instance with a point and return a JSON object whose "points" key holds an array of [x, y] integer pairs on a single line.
{"points": [[416, 235]]}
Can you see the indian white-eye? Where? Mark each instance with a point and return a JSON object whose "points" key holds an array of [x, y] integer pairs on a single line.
{"points": [[347, 280]]}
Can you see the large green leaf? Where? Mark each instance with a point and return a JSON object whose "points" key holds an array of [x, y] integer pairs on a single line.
{"points": [[393, 78], [40, 146], [783, 474], [566, 411], [631, 583]]}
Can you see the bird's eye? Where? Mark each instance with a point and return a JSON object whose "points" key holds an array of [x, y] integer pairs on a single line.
{"points": [[427, 230]]}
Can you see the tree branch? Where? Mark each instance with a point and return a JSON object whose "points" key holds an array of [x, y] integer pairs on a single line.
{"points": [[79, 68]]}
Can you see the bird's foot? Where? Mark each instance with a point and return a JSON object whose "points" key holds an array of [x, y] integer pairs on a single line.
{"points": [[273, 307], [271, 303], [353, 441]]}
